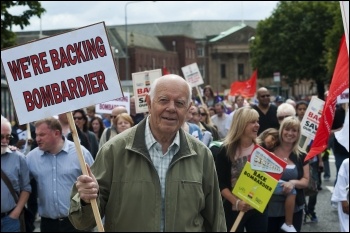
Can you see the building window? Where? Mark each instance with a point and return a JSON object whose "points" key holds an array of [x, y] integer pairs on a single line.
{"points": [[240, 70], [223, 70], [200, 52], [202, 70]]}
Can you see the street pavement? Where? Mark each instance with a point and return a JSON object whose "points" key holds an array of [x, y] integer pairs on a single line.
{"points": [[327, 216]]}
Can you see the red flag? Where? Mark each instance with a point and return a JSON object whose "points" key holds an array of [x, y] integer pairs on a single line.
{"points": [[340, 81], [245, 88], [165, 71]]}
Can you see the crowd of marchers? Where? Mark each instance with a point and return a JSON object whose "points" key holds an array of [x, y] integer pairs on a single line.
{"points": [[172, 168]]}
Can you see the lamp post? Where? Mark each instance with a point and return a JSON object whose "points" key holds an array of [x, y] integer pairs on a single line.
{"points": [[250, 40], [126, 39]]}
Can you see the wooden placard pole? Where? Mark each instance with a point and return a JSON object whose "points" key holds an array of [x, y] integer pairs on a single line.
{"points": [[306, 143], [84, 169], [29, 134], [238, 220], [200, 95], [29, 137]]}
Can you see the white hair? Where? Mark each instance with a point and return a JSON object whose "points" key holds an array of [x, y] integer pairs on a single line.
{"points": [[292, 102], [152, 92], [6, 122], [285, 109]]}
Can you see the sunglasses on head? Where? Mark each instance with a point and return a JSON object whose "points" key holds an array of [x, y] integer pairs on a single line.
{"points": [[8, 137]]}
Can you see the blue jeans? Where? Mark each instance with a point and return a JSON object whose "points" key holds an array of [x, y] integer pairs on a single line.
{"points": [[9, 224]]}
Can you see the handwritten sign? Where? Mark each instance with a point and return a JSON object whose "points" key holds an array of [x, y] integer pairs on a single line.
{"points": [[61, 73], [142, 85]]}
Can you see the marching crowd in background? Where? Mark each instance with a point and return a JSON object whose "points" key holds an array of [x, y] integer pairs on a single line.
{"points": [[170, 169]]}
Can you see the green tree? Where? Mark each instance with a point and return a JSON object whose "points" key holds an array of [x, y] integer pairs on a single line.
{"points": [[300, 40], [8, 38]]}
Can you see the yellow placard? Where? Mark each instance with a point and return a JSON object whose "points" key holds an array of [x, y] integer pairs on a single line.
{"points": [[255, 187]]}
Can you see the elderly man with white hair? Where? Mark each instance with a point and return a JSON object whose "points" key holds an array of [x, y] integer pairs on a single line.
{"points": [[16, 177]]}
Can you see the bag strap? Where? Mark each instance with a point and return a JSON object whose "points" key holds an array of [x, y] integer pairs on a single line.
{"points": [[108, 133], [9, 185]]}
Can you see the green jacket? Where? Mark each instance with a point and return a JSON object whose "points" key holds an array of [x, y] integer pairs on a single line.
{"points": [[130, 192]]}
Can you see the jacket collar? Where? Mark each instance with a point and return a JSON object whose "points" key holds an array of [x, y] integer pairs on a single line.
{"points": [[135, 141]]}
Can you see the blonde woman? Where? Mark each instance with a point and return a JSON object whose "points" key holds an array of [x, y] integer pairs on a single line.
{"points": [[237, 146], [124, 121], [205, 119], [296, 175], [205, 115]]}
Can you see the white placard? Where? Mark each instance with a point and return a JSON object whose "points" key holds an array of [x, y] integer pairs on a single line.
{"points": [[311, 119], [61, 73], [142, 85], [108, 106], [277, 77], [344, 97], [192, 75]]}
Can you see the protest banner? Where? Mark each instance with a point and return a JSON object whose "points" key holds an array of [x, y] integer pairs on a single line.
{"points": [[340, 82], [142, 85], [193, 77], [108, 106], [309, 123], [59, 74], [258, 180]]}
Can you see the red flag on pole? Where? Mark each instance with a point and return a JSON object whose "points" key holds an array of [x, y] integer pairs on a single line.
{"points": [[165, 71], [340, 81], [245, 88]]}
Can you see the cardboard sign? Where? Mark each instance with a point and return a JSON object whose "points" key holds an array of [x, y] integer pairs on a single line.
{"points": [[309, 124], [108, 106], [61, 73], [142, 85], [192, 75], [259, 178]]}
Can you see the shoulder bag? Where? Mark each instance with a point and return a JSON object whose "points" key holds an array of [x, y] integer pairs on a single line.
{"points": [[25, 214]]}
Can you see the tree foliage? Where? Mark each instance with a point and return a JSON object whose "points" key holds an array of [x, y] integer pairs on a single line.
{"points": [[8, 20], [300, 40]]}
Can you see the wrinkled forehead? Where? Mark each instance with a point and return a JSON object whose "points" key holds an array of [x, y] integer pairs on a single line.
{"points": [[173, 90]]}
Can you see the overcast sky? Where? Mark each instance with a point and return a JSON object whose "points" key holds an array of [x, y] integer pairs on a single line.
{"points": [[72, 14]]}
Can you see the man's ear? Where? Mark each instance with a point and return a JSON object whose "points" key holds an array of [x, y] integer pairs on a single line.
{"points": [[148, 101]]}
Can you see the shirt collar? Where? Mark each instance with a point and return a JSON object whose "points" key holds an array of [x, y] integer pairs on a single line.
{"points": [[64, 148], [7, 151], [150, 141]]}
